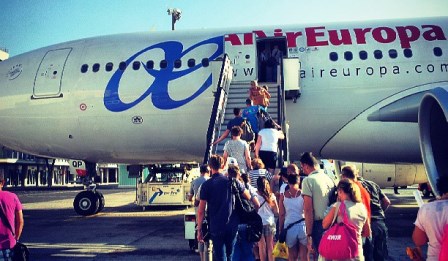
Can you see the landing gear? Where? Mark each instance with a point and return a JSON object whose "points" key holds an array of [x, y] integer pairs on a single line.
{"points": [[89, 201], [86, 203]]}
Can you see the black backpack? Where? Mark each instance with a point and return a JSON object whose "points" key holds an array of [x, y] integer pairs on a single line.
{"points": [[248, 134], [247, 214]]}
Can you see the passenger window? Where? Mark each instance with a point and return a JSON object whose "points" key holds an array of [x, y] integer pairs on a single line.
{"points": [[393, 53], [378, 54], [407, 53], [163, 64], [136, 65], [363, 55], [177, 64], [333, 56], [348, 56], [437, 51], [84, 68], [96, 67], [122, 66], [109, 67], [191, 63], [205, 62], [150, 64]]}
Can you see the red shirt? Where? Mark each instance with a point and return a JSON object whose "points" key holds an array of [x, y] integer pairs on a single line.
{"points": [[365, 198]]}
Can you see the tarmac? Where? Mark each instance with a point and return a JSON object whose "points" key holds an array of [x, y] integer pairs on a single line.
{"points": [[53, 231]]}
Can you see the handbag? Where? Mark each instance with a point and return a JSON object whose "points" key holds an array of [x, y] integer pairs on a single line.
{"points": [[20, 251], [247, 214], [280, 250], [443, 255], [282, 235], [340, 241]]}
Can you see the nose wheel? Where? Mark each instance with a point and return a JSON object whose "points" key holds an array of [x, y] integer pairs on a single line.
{"points": [[88, 202]]}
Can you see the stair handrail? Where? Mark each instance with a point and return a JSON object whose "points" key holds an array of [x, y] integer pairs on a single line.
{"points": [[281, 108], [223, 84]]}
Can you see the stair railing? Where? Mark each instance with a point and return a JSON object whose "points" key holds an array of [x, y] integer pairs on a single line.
{"points": [[219, 106]]}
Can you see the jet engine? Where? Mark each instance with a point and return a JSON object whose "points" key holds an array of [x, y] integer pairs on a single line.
{"points": [[433, 128]]}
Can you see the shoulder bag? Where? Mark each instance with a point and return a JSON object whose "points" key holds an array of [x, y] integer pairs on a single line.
{"points": [[247, 213], [340, 241], [282, 235]]}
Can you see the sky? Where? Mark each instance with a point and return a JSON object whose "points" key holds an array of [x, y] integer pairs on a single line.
{"points": [[30, 24]]}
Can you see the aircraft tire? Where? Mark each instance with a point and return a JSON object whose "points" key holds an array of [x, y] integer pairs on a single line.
{"points": [[102, 202], [86, 203]]}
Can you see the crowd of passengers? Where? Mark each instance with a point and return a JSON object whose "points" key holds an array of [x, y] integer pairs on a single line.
{"points": [[295, 199]]}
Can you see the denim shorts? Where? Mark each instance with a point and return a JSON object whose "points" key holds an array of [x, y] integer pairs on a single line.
{"points": [[296, 234]]}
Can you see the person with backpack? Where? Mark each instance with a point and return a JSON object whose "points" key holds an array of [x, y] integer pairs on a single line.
{"points": [[238, 149], [236, 121], [222, 220], [243, 247], [351, 211], [431, 225], [252, 114]]}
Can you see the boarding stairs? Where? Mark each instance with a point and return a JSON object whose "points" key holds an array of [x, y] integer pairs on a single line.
{"points": [[230, 95], [238, 93]]}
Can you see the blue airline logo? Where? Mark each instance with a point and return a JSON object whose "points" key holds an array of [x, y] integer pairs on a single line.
{"points": [[159, 88]]}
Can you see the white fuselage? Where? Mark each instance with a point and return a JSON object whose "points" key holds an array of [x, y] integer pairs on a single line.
{"points": [[50, 107]]}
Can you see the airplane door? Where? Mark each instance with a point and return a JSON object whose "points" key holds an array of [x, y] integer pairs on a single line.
{"points": [[242, 52], [47, 83]]}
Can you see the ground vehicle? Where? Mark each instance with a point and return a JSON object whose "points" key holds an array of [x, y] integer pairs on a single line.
{"points": [[166, 184]]}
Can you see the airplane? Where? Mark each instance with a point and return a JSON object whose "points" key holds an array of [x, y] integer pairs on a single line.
{"points": [[372, 91]]}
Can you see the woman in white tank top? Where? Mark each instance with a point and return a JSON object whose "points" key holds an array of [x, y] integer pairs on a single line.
{"points": [[292, 215]]}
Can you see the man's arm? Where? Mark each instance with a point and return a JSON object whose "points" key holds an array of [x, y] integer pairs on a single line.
{"points": [[257, 147], [281, 207], [19, 223], [328, 219], [419, 237], [191, 194], [385, 202], [309, 213], [247, 157], [201, 211], [223, 136]]}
